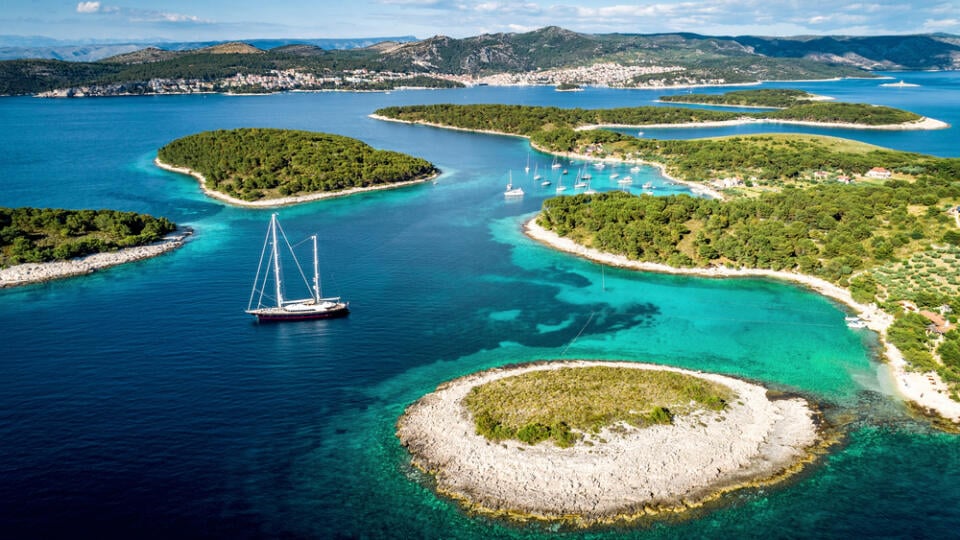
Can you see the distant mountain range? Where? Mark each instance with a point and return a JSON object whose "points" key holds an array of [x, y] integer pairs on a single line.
{"points": [[527, 58], [17, 47], [556, 47]]}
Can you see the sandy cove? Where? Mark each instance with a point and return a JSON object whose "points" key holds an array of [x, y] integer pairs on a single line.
{"points": [[662, 468], [24, 274], [283, 201], [695, 187], [926, 390]]}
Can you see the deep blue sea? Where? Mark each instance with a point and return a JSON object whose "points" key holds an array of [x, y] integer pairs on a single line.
{"points": [[142, 402]]}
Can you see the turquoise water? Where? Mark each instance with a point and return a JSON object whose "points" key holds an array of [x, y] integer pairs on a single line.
{"points": [[141, 401]]}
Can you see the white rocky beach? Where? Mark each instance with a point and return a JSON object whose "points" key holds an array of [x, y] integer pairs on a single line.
{"points": [[631, 472], [23, 274]]}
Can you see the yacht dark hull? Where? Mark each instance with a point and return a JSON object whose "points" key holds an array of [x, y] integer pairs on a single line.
{"points": [[282, 315]]}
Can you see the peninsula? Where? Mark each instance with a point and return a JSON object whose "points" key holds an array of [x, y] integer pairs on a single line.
{"points": [[43, 244], [854, 218], [272, 167], [661, 439]]}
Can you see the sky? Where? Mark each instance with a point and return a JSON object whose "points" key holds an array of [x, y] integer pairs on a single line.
{"points": [[210, 20]]}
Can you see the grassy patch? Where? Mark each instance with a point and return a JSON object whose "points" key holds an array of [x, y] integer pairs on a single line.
{"points": [[933, 270], [561, 404]]}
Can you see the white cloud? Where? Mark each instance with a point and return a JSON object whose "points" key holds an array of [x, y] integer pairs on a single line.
{"points": [[138, 15], [88, 7], [941, 25], [623, 11], [157, 16]]}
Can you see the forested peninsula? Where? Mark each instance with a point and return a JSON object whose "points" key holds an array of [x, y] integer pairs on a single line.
{"points": [[39, 244], [272, 167]]}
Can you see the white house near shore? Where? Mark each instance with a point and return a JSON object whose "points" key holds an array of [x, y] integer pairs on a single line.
{"points": [[878, 172]]}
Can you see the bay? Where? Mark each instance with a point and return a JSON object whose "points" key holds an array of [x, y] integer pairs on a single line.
{"points": [[141, 401]]}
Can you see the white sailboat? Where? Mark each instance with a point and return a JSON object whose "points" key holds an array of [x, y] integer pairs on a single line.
{"points": [[556, 164], [581, 181], [526, 170], [560, 187], [512, 192], [536, 174], [283, 309], [543, 181]]}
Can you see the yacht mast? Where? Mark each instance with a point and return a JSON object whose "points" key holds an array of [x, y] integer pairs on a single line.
{"points": [[276, 259], [316, 271]]}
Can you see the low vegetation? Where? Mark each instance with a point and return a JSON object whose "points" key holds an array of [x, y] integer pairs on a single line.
{"points": [[930, 277], [831, 231], [797, 105], [34, 235], [764, 97], [845, 113], [256, 164], [563, 404]]}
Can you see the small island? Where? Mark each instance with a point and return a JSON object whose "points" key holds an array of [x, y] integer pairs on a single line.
{"points": [[568, 87], [772, 98], [42, 244], [589, 442], [274, 167]]}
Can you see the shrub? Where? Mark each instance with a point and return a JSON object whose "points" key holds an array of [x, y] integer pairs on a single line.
{"points": [[660, 415]]}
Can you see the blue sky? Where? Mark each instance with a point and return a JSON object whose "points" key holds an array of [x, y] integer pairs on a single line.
{"points": [[200, 20]]}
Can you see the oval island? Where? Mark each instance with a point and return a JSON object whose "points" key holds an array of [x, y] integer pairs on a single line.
{"points": [[588, 442], [261, 167]]}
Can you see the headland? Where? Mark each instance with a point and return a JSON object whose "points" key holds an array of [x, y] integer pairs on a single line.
{"points": [[25, 274], [628, 472]]}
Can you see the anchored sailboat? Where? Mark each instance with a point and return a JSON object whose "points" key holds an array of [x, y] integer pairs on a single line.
{"points": [[512, 192], [314, 307]]}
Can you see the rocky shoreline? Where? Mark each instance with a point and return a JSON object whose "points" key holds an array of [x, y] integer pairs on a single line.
{"points": [[25, 274], [925, 390], [631, 473], [283, 201]]}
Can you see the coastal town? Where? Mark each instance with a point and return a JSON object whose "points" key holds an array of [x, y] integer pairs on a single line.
{"points": [[245, 83], [599, 74], [606, 74]]}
